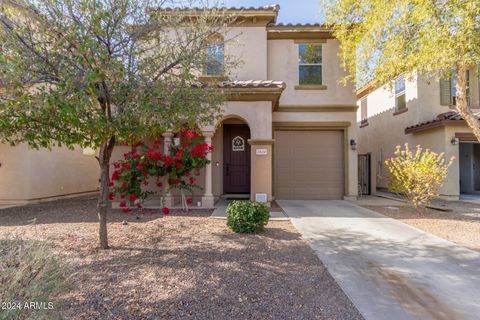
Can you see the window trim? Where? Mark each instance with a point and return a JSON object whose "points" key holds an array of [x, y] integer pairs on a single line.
{"points": [[310, 86]]}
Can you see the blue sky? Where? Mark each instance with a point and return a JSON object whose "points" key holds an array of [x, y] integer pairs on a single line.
{"points": [[295, 11]]}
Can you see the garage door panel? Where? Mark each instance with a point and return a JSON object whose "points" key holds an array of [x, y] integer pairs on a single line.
{"points": [[308, 165]]}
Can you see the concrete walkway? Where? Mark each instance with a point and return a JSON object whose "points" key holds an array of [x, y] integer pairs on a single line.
{"points": [[388, 269]]}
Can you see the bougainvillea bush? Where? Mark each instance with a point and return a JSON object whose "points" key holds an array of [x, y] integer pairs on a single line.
{"points": [[180, 167]]}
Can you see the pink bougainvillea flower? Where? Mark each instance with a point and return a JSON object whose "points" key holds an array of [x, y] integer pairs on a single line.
{"points": [[197, 174], [185, 144], [179, 165], [116, 165], [122, 196], [145, 183], [111, 184], [187, 174], [159, 184], [140, 166], [145, 174], [124, 184], [139, 205], [123, 204], [115, 175], [189, 201], [126, 166], [126, 210], [189, 135], [179, 154], [133, 197], [192, 180], [136, 155], [165, 210], [111, 196]]}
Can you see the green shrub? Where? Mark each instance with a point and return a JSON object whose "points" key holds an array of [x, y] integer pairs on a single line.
{"points": [[418, 176], [30, 273], [247, 217]]}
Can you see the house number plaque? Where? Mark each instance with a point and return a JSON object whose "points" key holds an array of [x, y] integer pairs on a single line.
{"points": [[261, 152]]}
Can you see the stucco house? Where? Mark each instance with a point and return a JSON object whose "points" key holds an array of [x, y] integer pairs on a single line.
{"points": [[417, 110], [288, 129]]}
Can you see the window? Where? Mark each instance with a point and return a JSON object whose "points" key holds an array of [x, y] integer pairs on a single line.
{"points": [[363, 112], [400, 102], [448, 90], [310, 64], [215, 56]]}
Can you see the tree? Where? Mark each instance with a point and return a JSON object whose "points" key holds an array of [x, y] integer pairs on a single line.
{"points": [[382, 39], [418, 176], [96, 73]]}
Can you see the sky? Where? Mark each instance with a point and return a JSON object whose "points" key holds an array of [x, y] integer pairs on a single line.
{"points": [[294, 11]]}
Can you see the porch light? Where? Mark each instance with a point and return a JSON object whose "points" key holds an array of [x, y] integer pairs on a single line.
{"points": [[353, 144], [454, 141]]}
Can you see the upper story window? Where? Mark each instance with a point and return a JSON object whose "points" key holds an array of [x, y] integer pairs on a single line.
{"points": [[363, 111], [310, 64], [400, 102], [215, 56], [448, 90]]}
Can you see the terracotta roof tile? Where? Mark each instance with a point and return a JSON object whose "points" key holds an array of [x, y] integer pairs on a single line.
{"points": [[253, 84], [290, 25], [273, 7], [442, 117]]}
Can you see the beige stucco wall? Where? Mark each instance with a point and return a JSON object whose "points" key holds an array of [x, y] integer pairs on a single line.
{"points": [[249, 46], [283, 65], [30, 175]]}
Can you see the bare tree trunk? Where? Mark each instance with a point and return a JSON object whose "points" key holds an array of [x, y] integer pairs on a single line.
{"points": [[462, 102], [104, 161]]}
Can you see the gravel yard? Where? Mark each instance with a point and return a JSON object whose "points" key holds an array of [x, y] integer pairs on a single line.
{"points": [[187, 266], [461, 225]]}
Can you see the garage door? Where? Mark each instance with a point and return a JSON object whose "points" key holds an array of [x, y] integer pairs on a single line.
{"points": [[308, 165]]}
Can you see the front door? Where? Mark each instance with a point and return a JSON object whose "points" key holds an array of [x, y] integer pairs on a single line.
{"points": [[236, 155]]}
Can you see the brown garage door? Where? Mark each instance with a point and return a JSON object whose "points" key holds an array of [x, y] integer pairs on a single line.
{"points": [[308, 165]]}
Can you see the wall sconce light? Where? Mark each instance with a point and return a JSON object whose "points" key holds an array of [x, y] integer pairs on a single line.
{"points": [[454, 141], [353, 144]]}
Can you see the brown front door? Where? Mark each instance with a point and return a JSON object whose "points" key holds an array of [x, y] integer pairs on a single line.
{"points": [[236, 155]]}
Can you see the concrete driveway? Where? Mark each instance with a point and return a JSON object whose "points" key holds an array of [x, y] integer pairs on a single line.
{"points": [[389, 270]]}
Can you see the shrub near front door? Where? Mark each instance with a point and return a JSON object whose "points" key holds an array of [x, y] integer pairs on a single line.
{"points": [[247, 217]]}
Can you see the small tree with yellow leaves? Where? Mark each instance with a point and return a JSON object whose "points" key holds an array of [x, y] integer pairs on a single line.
{"points": [[417, 175]]}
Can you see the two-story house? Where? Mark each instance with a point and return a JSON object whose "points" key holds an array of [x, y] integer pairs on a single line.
{"points": [[288, 129], [420, 111]]}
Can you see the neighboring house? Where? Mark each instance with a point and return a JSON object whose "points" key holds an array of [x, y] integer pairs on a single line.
{"points": [[419, 111], [289, 128], [28, 175]]}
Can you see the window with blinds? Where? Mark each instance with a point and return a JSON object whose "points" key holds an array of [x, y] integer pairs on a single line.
{"points": [[448, 90]]}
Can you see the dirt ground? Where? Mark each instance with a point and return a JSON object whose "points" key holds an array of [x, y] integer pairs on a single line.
{"points": [[461, 225], [184, 266]]}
